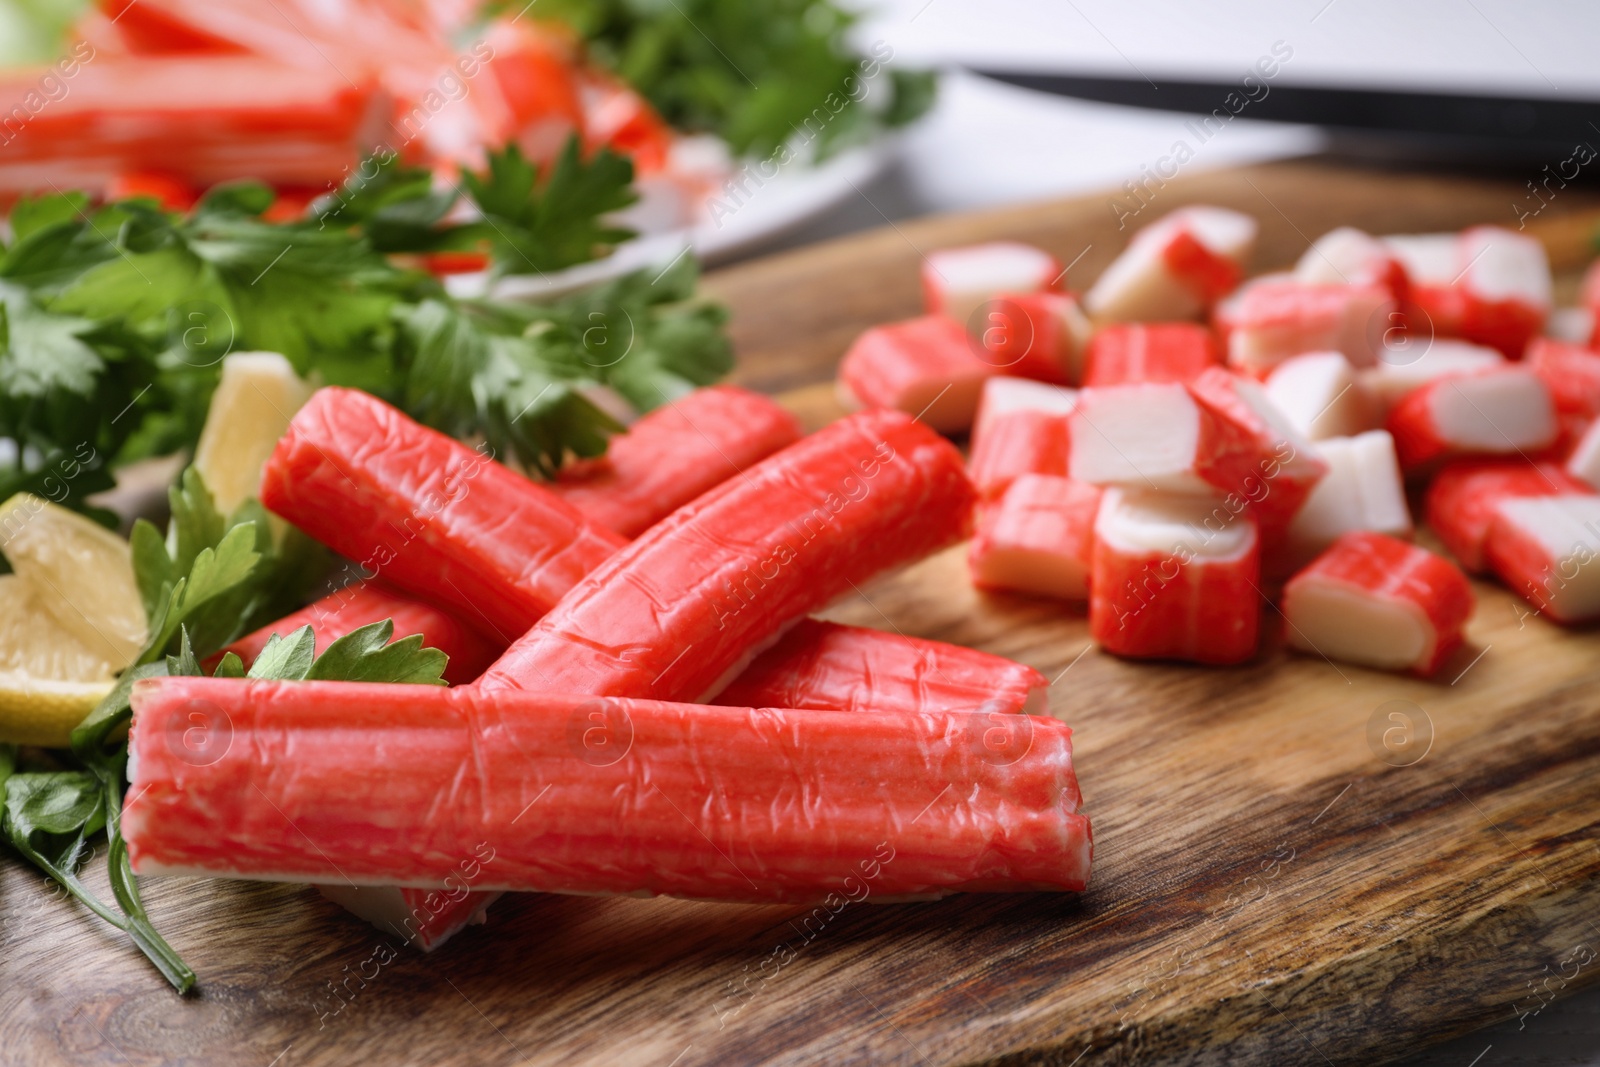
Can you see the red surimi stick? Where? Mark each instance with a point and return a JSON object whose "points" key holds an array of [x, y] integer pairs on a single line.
{"points": [[362, 603], [956, 282], [1494, 412], [1319, 394], [674, 454], [1174, 577], [1362, 490], [824, 666], [1003, 395], [1128, 353], [1378, 602], [1547, 549], [1571, 373], [1175, 268], [677, 613], [1410, 362], [1462, 499], [1589, 301], [1034, 335], [1584, 461], [429, 514], [1021, 429], [421, 785], [1279, 316], [1487, 284], [1347, 256], [927, 367], [1037, 538]]}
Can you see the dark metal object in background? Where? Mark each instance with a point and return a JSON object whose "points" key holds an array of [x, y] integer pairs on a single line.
{"points": [[1488, 128]]}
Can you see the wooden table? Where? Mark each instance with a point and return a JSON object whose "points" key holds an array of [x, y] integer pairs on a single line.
{"points": [[1285, 873]]}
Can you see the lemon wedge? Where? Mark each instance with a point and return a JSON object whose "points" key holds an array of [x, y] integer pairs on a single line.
{"points": [[257, 394]]}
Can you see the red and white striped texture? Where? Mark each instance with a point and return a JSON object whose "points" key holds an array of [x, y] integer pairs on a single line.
{"points": [[363, 784], [823, 666], [1379, 602], [1409, 362], [1547, 549], [1021, 429], [1129, 353], [1174, 577], [1037, 538], [1462, 498], [1487, 285], [678, 612], [1348, 256], [956, 282], [1571, 373], [674, 454], [1497, 412], [927, 367], [1034, 335], [1362, 490], [1275, 317], [1175, 268]]}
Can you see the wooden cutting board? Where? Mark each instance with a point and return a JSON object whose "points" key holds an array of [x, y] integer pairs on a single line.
{"points": [[1296, 861]]}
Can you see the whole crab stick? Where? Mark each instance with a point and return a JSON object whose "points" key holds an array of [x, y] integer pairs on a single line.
{"points": [[828, 667], [1495, 412], [677, 613], [1176, 267], [927, 367], [1126, 353], [674, 454], [1378, 602], [1037, 538], [1547, 549], [956, 282], [362, 603], [428, 514], [1462, 499], [1174, 577], [363, 784]]}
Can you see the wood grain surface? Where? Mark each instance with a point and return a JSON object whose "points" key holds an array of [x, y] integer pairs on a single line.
{"points": [[1286, 872]]}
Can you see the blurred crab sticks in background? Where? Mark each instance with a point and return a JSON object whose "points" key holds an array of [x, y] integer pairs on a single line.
{"points": [[1462, 499], [1548, 550], [1175, 268], [927, 367], [1127, 353], [956, 282], [375, 784], [1021, 429], [1492, 412], [1379, 602], [678, 612], [1487, 285]]}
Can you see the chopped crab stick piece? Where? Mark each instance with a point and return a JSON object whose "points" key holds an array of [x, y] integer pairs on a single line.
{"points": [[1589, 302], [1003, 395], [1363, 490], [679, 612], [1319, 394], [1160, 437], [1462, 498], [956, 282], [1174, 577], [674, 454], [1037, 538], [430, 515], [927, 367], [1175, 268], [1571, 325], [1488, 285], [1584, 462], [1572, 374], [1378, 602], [426, 918], [1547, 549], [1272, 319], [1490, 413], [1129, 353], [209, 118], [824, 666], [1290, 469], [1407, 363], [427, 787], [1015, 444], [362, 603], [1034, 335], [1347, 256]]}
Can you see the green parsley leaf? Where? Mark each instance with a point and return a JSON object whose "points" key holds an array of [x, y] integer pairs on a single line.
{"points": [[367, 655]]}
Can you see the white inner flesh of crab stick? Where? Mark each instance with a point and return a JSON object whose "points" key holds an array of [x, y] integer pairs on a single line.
{"points": [[1500, 412], [1138, 286], [1320, 396], [961, 280], [1143, 436], [1584, 463], [1341, 257], [1004, 394], [1406, 365], [1563, 568], [1363, 490], [1429, 258], [1499, 264], [1356, 626]]}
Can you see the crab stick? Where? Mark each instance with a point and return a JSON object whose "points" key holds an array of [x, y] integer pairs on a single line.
{"points": [[1176, 267], [1378, 602], [1003, 395], [1274, 318], [1462, 498], [1348, 256], [1584, 461], [927, 367], [1021, 428], [1407, 363], [1174, 577], [1548, 550], [679, 612], [1572, 374], [674, 454], [430, 515], [1488, 285], [956, 282], [1127, 353], [1493, 412], [1319, 394], [362, 603], [1037, 538], [1160, 437], [1362, 490], [363, 784], [828, 667], [1034, 335]]}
